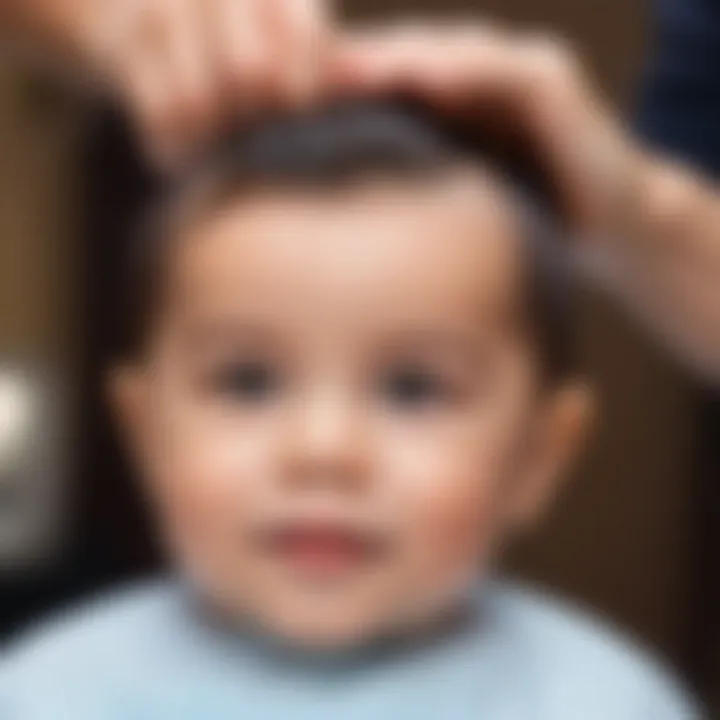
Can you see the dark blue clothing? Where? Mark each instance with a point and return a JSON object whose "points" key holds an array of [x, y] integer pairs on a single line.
{"points": [[679, 108], [679, 112]]}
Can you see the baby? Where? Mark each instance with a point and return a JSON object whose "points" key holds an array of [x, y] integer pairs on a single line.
{"points": [[348, 378]]}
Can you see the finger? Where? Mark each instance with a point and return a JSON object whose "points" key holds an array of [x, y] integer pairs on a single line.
{"points": [[241, 55], [409, 56], [160, 74], [531, 92], [145, 99], [529, 88], [300, 31], [108, 29], [536, 87], [192, 106], [139, 71]]}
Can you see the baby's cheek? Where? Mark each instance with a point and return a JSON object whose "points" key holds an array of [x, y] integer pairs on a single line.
{"points": [[448, 493], [211, 464], [208, 486], [450, 520]]}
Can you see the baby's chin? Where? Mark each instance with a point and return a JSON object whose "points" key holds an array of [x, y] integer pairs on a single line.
{"points": [[315, 634], [321, 616], [348, 613], [326, 621], [345, 627]]}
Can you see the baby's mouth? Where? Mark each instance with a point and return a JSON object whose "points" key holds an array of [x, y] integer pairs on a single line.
{"points": [[323, 550]]}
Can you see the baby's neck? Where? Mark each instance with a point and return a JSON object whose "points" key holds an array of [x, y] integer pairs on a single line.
{"points": [[441, 628]]}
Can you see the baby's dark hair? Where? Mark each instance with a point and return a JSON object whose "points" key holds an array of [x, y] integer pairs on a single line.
{"points": [[333, 147]]}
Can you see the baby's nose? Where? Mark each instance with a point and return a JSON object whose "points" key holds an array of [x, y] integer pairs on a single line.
{"points": [[326, 442]]}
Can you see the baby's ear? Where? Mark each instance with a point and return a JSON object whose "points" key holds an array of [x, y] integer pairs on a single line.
{"points": [[127, 392], [554, 445]]}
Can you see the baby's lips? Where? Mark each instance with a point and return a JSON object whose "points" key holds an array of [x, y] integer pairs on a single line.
{"points": [[319, 534], [322, 548]]}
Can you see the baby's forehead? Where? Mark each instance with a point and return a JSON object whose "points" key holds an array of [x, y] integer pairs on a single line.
{"points": [[465, 202], [451, 240]]}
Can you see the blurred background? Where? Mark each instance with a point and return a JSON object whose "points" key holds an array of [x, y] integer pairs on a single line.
{"points": [[636, 535]]}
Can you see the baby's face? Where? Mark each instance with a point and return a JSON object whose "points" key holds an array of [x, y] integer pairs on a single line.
{"points": [[339, 412]]}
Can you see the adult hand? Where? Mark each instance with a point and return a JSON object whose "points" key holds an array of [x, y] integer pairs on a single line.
{"points": [[651, 225], [183, 67], [531, 88]]}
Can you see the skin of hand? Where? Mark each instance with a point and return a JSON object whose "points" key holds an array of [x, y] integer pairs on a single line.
{"points": [[182, 68], [647, 225], [531, 88]]}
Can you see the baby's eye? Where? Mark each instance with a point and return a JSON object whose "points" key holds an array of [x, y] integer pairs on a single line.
{"points": [[413, 387], [247, 381]]}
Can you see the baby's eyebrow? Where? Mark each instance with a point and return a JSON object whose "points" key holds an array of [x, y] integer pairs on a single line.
{"points": [[434, 341], [232, 333]]}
